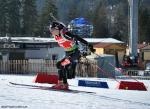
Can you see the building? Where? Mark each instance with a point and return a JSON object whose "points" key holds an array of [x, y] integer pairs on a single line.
{"points": [[17, 48], [117, 49], [24, 55], [145, 56]]}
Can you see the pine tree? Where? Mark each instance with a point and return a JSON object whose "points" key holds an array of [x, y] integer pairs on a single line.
{"points": [[45, 19], [144, 25], [9, 17], [29, 17], [63, 8], [72, 12], [3, 17], [14, 17], [121, 22], [101, 20]]}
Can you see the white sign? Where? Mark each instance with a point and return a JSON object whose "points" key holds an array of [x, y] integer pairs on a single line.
{"points": [[9, 46]]}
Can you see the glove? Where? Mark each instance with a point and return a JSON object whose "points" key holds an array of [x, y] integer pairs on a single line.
{"points": [[84, 54], [91, 48]]}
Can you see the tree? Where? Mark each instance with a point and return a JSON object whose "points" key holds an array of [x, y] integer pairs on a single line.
{"points": [[3, 17], [9, 17], [100, 20], [14, 17], [63, 8], [45, 19], [73, 13], [29, 17], [144, 25], [121, 22]]}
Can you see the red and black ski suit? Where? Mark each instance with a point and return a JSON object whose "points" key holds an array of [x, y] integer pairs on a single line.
{"points": [[66, 66]]}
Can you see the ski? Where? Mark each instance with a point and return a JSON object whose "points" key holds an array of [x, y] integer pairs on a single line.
{"points": [[49, 88]]}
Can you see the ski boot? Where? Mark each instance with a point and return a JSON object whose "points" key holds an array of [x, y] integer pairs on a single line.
{"points": [[61, 86]]}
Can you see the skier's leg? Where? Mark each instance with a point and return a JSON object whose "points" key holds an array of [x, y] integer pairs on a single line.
{"points": [[60, 71], [60, 74], [65, 76], [73, 70], [62, 82], [74, 57], [70, 70]]}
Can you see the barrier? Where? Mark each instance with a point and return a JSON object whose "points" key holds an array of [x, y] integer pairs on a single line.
{"points": [[126, 85], [32, 66], [45, 78], [97, 84]]}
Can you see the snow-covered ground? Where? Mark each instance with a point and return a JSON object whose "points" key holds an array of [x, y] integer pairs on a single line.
{"points": [[15, 97]]}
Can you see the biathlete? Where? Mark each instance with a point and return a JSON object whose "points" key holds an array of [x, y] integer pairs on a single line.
{"points": [[67, 40]]}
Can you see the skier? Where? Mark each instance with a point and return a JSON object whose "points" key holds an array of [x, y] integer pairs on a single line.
{"points": [[66, 66]]}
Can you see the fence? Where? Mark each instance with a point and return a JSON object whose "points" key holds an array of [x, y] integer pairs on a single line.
{"points": [[87, 68], [33, 66], [27, 66], [138, 72]]}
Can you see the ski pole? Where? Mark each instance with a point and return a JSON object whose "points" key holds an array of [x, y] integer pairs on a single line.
{"points": [[105, 72], [118, 69]]}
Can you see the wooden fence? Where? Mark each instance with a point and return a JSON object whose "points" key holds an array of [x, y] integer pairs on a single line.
{"points": [[87, 68], [27, 66], [84, 68]]}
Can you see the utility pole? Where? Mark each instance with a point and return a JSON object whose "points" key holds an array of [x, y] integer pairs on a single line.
{"points": [[133, 37]]}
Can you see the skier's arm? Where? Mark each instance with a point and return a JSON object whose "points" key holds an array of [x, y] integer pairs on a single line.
{"points": [[77, 38], [81, 40]]}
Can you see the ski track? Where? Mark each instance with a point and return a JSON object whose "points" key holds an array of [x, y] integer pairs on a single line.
{"points": [[46, 99], [82, 93]]}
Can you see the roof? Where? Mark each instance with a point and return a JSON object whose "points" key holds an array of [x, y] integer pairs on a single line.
{"points": [[109, 45], [93, 55], [104, 40], [46, 40], [27, 39], [102, 45]]}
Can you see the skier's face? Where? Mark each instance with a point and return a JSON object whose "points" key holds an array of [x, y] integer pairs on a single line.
{"points": [[54, 31]]}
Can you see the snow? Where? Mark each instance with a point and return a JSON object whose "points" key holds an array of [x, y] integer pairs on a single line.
{"points": [[112, 98]]}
